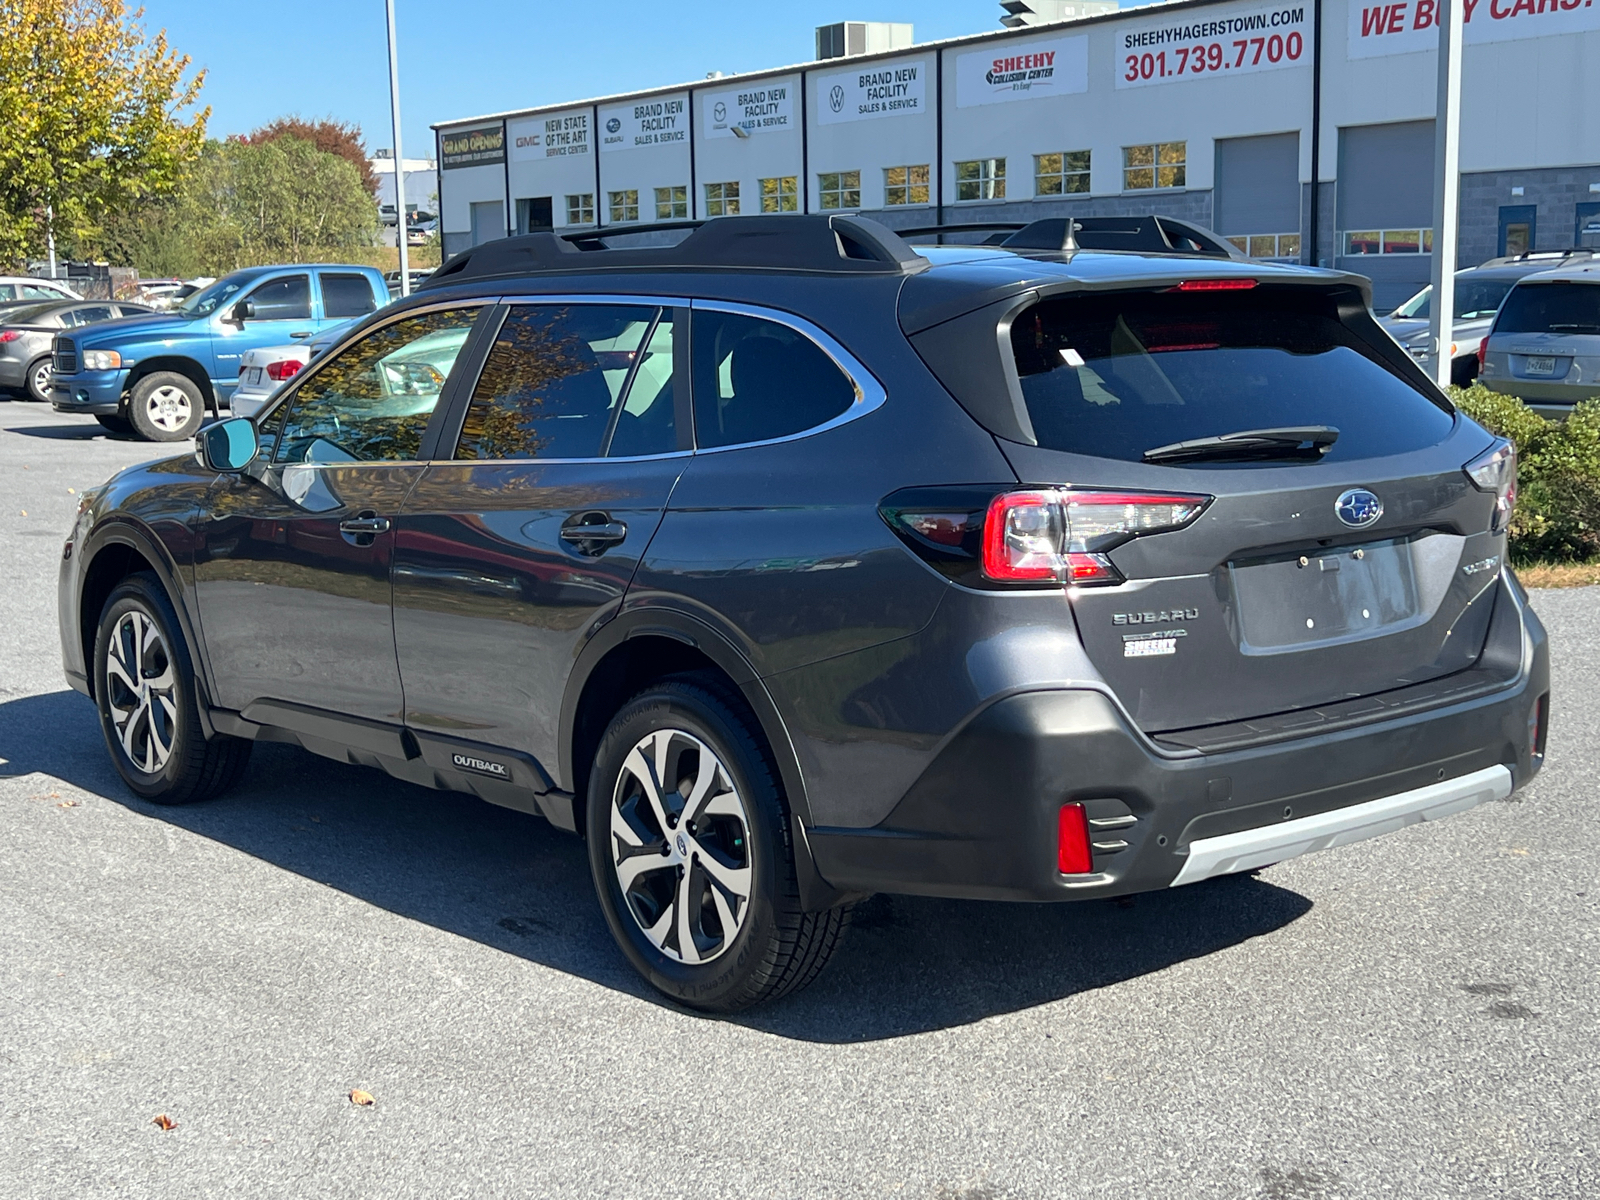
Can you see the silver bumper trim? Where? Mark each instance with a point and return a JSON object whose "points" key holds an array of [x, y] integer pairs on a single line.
{"points": [[1252, 848]]}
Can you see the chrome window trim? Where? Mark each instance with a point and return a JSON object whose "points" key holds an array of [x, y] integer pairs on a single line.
{"points": [[870, 394]]}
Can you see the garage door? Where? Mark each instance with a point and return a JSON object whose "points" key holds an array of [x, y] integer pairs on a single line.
{"points": [[1258, 194], [1385, 207]]}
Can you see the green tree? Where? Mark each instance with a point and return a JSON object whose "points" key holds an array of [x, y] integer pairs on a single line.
{"points": [[91, 118], [340, 138]]}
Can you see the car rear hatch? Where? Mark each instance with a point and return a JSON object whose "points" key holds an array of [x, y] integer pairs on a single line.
{"points": [[1549, 332], [1337, 551]]}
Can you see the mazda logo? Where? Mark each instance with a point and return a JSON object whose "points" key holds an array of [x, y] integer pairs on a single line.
{"points": [[836, 98], [1358, 508], [719, 114]]}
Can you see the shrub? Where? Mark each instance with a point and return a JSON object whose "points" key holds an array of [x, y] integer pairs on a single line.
{"points": [[1558, 474]]}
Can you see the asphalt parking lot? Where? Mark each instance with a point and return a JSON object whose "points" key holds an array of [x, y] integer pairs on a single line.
{"points": [[1416, 1016]]}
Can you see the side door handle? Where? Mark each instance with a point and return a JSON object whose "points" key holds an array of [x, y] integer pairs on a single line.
{"points": [[363, 528], [593, 533]]}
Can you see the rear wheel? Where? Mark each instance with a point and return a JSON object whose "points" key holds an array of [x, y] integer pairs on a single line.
{"points": [[690, 849], [166, 407], [149, 710], [115, 424], [36, 379]]}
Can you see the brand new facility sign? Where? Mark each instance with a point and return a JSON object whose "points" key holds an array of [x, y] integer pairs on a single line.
{"points": [[878, 89], [767, 107], [662, 121]]}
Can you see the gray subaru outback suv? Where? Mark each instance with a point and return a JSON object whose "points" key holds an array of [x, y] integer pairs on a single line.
{"points": [[789, 563]]}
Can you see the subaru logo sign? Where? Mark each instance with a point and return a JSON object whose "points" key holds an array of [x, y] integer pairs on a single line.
{"points": [[1358, 508]]}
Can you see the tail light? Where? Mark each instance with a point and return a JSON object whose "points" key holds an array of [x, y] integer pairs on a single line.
{"points": [[1483, 354], [9, 335], [1214, 285], [287, 369], [1073, 856], [1495, 470], [1066, 533]]}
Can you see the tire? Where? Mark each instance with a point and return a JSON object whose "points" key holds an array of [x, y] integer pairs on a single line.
{"points": [[36, 379], [671, 920], [1463, 371], [166, 407], [115, 424], [145, 691]]}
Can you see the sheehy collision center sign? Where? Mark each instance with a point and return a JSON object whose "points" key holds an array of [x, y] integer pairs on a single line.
{"points": [[1009, 72], [1237, 42], [891, 89], [1407, 26], [659, 122], [759, 108]]}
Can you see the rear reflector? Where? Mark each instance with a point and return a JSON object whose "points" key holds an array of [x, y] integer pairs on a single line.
{"points": [[1214, 285], [1072, 846], [1064, 534]]}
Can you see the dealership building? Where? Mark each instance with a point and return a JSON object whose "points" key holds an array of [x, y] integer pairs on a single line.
{"points": [[1219, 112]]}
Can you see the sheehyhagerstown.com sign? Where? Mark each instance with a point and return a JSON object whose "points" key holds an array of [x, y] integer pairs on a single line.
{"points": [[875, 90], [759, 108], [1412, 25], [1245, 40], [660, 122], [993, 76]]}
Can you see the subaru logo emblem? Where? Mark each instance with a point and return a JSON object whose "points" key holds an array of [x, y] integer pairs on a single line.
{"points": [[613, 125], [1358, 508]]}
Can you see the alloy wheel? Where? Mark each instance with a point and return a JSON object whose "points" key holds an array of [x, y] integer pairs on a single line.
{"points": [[141, 692], [168, 408], [680, 846], [39, 383]]}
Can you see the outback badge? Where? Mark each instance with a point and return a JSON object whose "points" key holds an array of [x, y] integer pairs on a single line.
{"points": [[1358, 508]]}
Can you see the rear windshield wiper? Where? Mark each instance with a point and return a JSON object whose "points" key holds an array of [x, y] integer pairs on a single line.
{"points": [[1589, 326], [1299, 441]]}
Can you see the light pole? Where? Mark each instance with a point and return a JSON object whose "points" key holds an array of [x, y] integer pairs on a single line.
{"points": [[399, 160], [1446, 190]]}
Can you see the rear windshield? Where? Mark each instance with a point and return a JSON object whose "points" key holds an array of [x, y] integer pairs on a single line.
{"points": [[1475, 299], [1551, 308], [1114, 375]]}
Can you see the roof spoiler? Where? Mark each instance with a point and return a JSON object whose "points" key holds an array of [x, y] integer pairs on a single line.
{"points": [[1147, 233]]}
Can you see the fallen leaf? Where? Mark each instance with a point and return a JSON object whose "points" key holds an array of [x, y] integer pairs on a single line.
{"points": [[69, 804], [357, 1096], [165, 1122], [72, 491], [24, 512]]}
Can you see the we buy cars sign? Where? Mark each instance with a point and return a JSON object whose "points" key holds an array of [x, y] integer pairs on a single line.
{"points": [[1407, 26]]}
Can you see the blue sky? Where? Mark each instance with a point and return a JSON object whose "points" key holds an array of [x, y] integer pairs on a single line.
{"points": [[463, 57]]}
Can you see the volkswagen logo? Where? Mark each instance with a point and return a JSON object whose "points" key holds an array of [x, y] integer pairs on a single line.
{"points": [[836, 98], [1358, 508]]}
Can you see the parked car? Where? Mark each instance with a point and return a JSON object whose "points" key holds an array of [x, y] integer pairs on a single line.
{"points": [[1545, 344], [157, 376], [420, 226], [27, 287], [262, 372], [27, 333], [1479, 291], [789, 564], [418, 276], [164, 294]]}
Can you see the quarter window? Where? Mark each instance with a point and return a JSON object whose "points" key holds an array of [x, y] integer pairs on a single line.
{"points": [[1156, 165], [780, 194], [371, 402], [672, 203], [1061, 174], [839, 189], [905, 185], [286, 299], [624, 205], [346, 296], [981, 179], [580, 208], [755, 380], [574, 381], [722, 199]]}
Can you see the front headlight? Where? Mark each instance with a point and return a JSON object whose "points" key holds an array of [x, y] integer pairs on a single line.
{"points": [[101, 360]]}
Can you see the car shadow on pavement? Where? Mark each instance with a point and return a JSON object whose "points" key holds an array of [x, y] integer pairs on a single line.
{"points": [[514, 883], [69, 433]]}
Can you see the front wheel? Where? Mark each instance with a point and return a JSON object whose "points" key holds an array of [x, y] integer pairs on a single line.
{"points": [[149, 709], [166, 407], [690, 849], [37, 379]]}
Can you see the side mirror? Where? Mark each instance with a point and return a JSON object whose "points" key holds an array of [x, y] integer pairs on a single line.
{"points": [[243, 311], [229, 446]]}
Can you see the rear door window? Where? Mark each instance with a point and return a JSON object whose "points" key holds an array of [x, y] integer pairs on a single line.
{"points": [[286, 299], [755, 380], [1114, 375], [575, 381], [1551, 308], [87, 316], [346, 295]]}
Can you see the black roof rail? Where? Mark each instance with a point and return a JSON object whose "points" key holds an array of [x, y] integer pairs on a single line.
{"points": [[1000, 230], [1150, 233], [826, 244]]}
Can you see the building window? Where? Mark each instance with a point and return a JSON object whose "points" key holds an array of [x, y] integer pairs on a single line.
{"points": [[1061, 174], [905, 185], [672, 203], [1389, 241], [580, 208], [839, 189], [781, 194], [722, 199], [1160, 165], [625, 205], [1268, 245], [981, 179]]}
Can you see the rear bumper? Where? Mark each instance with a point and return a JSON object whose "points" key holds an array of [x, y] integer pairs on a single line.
{"points": [[13, 372], [981, 822], [1557, 398], [98, 393]]}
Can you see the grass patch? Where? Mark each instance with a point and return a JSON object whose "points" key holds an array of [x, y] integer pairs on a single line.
{"points": [[1559, 575]]}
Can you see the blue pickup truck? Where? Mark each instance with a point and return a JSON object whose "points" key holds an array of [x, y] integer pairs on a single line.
{"points": [[157, 375]]}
